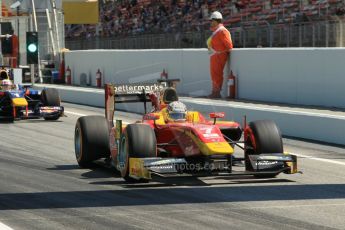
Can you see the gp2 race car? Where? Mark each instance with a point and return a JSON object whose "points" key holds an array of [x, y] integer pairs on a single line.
{"points": [[21, 102], [193, 146]]}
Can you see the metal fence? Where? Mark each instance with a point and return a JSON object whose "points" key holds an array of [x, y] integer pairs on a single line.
{"points": [[311, 34], [252, 34]]}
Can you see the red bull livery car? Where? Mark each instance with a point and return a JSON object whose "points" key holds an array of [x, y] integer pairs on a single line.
{"points": [[22, 102]]}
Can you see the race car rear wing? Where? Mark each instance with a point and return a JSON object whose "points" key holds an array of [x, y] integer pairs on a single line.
{"points": [[128, 93]]}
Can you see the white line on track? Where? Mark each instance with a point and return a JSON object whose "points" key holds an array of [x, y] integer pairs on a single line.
{"points": [[299, 155], [320, 159], [74, 113], [81, 115], [4, 227]]}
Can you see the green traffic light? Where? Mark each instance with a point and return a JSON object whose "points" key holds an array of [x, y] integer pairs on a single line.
{"points": [[32, 48]]}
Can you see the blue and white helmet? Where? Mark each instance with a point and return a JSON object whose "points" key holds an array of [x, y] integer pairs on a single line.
{"points": [[177, 111]]}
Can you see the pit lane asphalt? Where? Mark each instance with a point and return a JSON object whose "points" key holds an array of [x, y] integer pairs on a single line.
{"points": [[41, 187]]}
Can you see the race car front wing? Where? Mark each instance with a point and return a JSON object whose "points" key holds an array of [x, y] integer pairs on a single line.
{"points": [[38, 112], [264, 164]]}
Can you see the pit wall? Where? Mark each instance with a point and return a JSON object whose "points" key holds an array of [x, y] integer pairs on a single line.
{"points": [[300, 76]]}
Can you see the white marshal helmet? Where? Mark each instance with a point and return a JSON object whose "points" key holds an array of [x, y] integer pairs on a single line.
{"points": [[6, 84], [177, 111], [216, 15]]}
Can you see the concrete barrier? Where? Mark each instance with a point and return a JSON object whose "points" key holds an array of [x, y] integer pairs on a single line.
{"points": [[313, 124], [301, 76]]}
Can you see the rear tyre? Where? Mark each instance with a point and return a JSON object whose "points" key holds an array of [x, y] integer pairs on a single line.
{"points": [[138, 141], [51, 97], [91, 140], [267, 139]]}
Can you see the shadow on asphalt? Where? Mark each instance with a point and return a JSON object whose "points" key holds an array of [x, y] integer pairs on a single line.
{"points": [[64, 167], [95, 171], [99, 171], [198, 182], [156, 183], [171, 195]]}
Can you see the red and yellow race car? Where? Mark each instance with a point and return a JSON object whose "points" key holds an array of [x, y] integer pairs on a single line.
{"points": [[171, 141]]}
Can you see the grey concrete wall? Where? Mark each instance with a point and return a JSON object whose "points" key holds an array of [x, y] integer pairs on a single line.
{"points": [[303, 76]]}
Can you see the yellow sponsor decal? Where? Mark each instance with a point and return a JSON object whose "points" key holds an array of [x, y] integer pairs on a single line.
{"points": [[137, 169], [218, 148], [19, 102], [212, 148]]}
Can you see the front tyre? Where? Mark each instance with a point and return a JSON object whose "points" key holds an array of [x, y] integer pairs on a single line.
{"points": [[137, 141], [264, 137], [51, 97]]}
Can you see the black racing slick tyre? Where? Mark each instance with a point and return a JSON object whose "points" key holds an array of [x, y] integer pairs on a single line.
{"points": [[91, 140], [267, 136], [267, 139], [51, 97], [138, 141]]}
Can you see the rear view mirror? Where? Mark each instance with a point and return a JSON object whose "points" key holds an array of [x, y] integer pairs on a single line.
{"points": [[217, 115]]}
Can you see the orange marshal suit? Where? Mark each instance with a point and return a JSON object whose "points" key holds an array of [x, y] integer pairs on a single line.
{"points": [[219, 45]]}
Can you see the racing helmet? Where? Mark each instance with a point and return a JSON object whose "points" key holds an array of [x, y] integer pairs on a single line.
{"points": [[177, 111], [6, 84]]}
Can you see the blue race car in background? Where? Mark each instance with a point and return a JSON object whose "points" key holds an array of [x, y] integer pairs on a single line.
{"points": [[21, 102]]}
